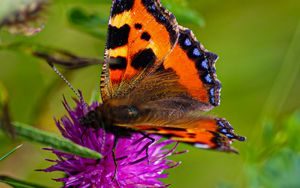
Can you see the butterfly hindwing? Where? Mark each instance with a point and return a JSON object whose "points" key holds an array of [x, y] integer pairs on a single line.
{"points": [[201, 132]]}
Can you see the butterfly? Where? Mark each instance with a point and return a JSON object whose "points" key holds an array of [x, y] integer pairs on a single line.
{"points": [[158, 79]]}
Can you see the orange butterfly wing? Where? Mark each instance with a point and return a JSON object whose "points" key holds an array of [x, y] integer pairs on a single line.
{"points": [[194, 66], [141, 33], [202, 132]]}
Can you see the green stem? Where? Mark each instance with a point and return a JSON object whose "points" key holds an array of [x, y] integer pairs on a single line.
{"points": [[18, 183], [32, 134]]}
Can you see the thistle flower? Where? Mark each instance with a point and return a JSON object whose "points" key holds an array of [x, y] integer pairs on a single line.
{"points": [[133, 170]]}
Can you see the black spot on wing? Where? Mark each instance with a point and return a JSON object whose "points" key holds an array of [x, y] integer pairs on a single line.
{"points": [[117, 63], [164, 17], [170, 132], [161, 68], [204, 63], [143, 59], [191, 135], [117, 36], [120, 6], [174, 129], [138, 26], [145, 36]]}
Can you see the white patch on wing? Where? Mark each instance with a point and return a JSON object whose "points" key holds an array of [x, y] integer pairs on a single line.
{"points": [[202, 146]]}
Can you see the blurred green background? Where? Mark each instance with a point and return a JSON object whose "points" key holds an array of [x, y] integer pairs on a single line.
{"points": [[258, 43]]}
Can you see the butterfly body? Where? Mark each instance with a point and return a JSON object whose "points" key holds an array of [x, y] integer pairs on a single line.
{"points": [[106, 116], [158, 79]]}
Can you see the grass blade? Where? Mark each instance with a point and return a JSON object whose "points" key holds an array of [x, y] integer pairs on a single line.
{"points": [[10, 152], [18, 183]]}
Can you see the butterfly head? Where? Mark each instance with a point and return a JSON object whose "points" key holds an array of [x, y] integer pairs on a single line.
{"points": [[92, 119]]}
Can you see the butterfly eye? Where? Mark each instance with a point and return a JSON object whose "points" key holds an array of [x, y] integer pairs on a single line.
{"points": [[132, 111]]}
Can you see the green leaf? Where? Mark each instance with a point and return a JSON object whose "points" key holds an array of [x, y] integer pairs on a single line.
{"points": [[96, 25], [277, 162], [18, 183], [183, 13], [35, 135], [91, 24], [10, 152], [292, 130]]}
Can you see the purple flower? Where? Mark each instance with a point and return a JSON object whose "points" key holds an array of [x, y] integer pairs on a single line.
{"points": [[131, 172]]}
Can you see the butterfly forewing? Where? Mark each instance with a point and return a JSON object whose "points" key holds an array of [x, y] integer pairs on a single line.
{"points": [[195, 68], [141, 33]]}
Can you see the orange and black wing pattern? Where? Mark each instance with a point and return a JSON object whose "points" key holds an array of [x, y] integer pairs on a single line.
{"points": [[195, 68], [141, 33], [157, 77], [201, 132]]}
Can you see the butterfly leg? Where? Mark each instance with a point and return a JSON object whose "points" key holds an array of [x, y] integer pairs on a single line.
{"points": [[139, 140], [146, 147]]}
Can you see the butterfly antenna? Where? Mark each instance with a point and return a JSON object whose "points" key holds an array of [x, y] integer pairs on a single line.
{"points": [[65, 80]]}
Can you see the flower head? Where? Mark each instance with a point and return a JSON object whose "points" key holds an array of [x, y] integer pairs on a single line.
{"points": [[133, 170]]}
